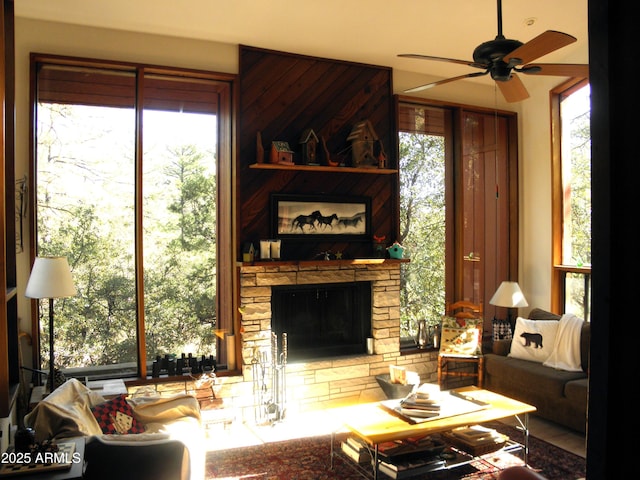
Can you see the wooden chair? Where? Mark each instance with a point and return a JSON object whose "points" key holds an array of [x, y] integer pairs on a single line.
{"points": [[452, 364]]}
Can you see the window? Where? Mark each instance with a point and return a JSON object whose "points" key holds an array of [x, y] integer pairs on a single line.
{"points": [[458, 210], [571, 290], [422, 143], [131, 169]]}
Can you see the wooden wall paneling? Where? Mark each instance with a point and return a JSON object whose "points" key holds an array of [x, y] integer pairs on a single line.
{"points": [[281, 95]]}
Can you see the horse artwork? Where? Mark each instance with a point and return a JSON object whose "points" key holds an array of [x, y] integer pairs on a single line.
{"points": [[303, 220], [326, 222], [315, 216], [350, 222]]}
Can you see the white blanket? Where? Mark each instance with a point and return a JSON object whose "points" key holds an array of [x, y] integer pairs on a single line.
{"points": [[565, 354], [65, 413]]}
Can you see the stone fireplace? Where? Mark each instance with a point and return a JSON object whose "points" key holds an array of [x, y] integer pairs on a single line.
{"points": [[322, 320], [257, 281], [317, 382]]}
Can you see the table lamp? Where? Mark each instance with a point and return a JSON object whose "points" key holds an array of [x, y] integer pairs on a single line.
{"points": [[50, 278], [509, 295]]}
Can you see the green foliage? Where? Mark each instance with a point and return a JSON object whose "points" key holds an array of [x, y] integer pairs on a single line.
{"points": [[92, 223], [576, 174], [579, 224], [180, 280], [422, 229]]}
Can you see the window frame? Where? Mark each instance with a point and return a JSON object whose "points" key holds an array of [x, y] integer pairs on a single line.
{"points": [[506, 268], [446, 130], [226, 249], [559, 270]]}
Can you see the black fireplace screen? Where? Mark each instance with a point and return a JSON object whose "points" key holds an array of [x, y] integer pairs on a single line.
{"points": [[322, 321]]}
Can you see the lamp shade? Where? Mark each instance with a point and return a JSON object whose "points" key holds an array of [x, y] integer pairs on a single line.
{"points": [[50, 278], [509, 295]]}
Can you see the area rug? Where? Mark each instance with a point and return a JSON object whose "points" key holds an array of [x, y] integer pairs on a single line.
{"points": [[309, 459]]}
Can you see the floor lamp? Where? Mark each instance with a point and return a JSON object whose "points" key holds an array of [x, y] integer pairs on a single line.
{"points": [[50, 278]]}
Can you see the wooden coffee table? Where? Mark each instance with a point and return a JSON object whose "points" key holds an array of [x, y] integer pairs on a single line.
{"points": [[374, 424]]}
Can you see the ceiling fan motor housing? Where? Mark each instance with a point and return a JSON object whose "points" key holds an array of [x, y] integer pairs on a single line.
{"points": [[491, 54]]}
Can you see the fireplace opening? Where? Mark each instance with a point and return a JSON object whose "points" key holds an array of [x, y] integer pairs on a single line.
{"points": [[322, 321]]}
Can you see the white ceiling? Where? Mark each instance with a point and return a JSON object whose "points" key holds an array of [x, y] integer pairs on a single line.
{"points": [[367, 31]]}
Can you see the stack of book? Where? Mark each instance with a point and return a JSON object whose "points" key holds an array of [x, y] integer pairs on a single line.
{"points": [[476, 439], [356, 450], [410, 468], [424, 402], [412, 456], [401, 458]]}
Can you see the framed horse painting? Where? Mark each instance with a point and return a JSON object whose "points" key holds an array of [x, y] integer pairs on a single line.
{"points": [[316, 216]]}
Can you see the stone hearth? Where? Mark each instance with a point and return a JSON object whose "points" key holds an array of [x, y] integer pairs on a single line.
{"points": [[317, 384], [255, 297]]}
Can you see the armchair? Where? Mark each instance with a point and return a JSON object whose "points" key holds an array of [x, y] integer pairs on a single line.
{"points": [[156, 458]]}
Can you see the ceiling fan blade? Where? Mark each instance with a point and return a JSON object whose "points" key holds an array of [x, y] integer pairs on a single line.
{"points": [[513, 90], [539, 46], [469, 63], [558, 69], [446, 80]]}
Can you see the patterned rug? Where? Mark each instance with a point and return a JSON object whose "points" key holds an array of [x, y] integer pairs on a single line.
{"points": [[309, 459]]}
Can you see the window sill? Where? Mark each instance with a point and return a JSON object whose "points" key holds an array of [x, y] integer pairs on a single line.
{"points": [[415, 350]]}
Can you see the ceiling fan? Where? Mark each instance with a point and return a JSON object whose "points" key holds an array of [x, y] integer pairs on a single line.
{"points": [[503, 58]]}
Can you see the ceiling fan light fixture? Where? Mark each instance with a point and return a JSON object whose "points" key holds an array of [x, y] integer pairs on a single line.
{"points": [[501, 73]]}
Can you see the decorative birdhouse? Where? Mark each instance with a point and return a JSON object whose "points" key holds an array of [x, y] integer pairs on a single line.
{"points": [[396, 250], [309, 143], [363, 138], [281, 153], [248, 252]]}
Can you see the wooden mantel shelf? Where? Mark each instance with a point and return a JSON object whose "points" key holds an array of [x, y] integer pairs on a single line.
{"points": [[315, 263], [322, 168]]}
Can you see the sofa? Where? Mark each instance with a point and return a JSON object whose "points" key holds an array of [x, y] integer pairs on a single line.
{"points": [[559, 394], [162, 436]]}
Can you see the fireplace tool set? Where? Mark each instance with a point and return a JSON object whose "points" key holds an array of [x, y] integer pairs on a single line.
{"points": [[270, 406]]}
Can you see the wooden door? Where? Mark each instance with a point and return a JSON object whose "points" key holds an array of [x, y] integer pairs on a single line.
{"points": [[486, 183]]}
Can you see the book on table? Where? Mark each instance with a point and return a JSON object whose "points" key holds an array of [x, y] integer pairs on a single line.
{"points": [[476, 438], [418, 448], [406, 469], [417, 408], [423, 448], [476, 434], [411, 456], [355, 452], [420, 405]]}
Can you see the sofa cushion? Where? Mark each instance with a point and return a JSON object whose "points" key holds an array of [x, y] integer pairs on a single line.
{"points": [[540, 314], [585, 336], [576, 391], [533, 340], [116, 416], [524, 375]]}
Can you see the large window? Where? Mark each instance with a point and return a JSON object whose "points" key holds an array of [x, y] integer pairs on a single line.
{"points": [[128, 165], [458, 210], [422, 158], [572, 200]]}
